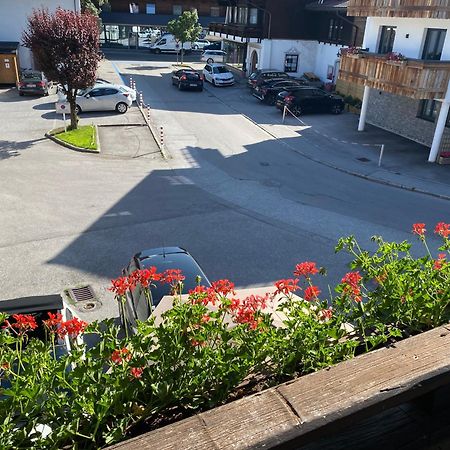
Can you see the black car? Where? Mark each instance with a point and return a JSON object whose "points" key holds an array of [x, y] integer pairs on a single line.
{"points": [[267, 92], [137, 307], [213, 46], [187, 79], [260, 76], [34, 82], [309, 99]]}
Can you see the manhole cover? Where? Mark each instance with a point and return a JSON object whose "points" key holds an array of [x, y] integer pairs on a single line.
{"points": [[264, 164], [363, 159]]}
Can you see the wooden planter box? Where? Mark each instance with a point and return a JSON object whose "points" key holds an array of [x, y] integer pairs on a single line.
{"points": [[444, 160], [297, 412]]}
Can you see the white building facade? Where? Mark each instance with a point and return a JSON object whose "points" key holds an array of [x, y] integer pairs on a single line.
{"points": [[406, 70], [13, 21]]}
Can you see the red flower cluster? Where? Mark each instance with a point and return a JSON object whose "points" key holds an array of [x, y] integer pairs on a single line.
{"points": [[53, 321], [352, 287], [24, 322], [144, 277], [305, 269], [246, 310], [172, 276], [419, 229], [202, 295], [286, 286], [443, 229], [71, 328], [311, 293], [223, 287], [439, 263], [136, 372], [120, 285], [325, 314], [120, 355]]}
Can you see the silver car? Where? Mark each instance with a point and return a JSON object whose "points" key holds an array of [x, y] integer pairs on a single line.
{"points": [[104, 97]]}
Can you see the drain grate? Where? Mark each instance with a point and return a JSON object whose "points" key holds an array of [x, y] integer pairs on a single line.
{"points": [[82, 294], [363, 159]]}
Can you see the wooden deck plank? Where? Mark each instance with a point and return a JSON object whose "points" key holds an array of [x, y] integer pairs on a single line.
{"points": [[298, 411]]}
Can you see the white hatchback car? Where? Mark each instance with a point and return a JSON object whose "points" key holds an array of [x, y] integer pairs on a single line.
{"points": [[218, 75], [212, 56]]}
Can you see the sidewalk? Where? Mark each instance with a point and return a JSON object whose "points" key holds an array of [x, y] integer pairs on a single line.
{"points": [[335, 142]]}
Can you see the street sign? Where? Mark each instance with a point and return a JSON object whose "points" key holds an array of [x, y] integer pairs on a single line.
{"points": [[62, 107]]}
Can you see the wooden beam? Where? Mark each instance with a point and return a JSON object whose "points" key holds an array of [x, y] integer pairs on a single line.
{"points": [[296, 412]]}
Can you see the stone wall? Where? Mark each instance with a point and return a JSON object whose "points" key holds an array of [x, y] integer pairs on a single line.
{"points": [[399, 115]]}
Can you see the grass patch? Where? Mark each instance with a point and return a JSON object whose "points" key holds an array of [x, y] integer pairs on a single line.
{"points": [[83, 137]]}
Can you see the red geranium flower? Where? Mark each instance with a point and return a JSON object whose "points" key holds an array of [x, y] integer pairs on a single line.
{"points": [[443, 229], [120, 285], [24, 322], [352, 286], [305, 269], [145, 276], [53, 322], [325, 314], [286, 286], [439, 263], [202, 295], [136, 372], [419, 229], [120, 355], [172, 276], [311, 293], [223, 287], [72, 328]]}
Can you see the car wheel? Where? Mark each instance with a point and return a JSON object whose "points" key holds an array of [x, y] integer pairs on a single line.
{"points": [[336, 109], [195, 47], [77, 109], [121, 108], [157, 51], [270, 100], [214, 82], [21, 94], [297, 110], [180, 87], [209, 60]]}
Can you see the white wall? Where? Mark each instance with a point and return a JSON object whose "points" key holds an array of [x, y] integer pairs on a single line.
{"points": [[313, 56], [415, 29], [13, 20]]}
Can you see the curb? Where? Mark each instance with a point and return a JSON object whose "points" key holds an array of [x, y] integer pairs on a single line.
{"points": [[74, 147], [165, 154]]}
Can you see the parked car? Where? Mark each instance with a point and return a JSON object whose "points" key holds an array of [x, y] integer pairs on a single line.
{"points": [[187, 79], [136, 306], [310, 99], [312, 80], [200, 44], [98, 82], [34, 82], [218, 75], [260, 76], [213, 46], [168, 44], [104, 97], [212, 56], [267, 92]]}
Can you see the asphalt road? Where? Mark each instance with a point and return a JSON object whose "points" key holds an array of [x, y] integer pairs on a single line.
{"points": [[246, 205]]}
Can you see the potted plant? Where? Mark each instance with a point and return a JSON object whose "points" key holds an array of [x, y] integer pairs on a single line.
{"points": [[396, 58], [444, 158], [352, 52]]}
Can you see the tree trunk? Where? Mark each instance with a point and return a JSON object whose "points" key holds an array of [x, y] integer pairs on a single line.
{"points": [[71, 98]]}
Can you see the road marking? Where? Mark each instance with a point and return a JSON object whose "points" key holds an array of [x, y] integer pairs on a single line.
{"points": [[121, 213]]}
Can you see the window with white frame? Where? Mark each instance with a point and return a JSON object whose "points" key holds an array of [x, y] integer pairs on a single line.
{"points": [[253, 16], [177, 10], [291, 63]]}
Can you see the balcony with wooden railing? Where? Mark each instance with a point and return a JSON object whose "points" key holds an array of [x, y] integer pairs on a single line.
{"points": [[412, 78], [424, 9]]}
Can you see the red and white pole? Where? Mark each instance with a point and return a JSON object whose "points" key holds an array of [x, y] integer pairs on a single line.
{"points": [[161, 136], [148, 113]]}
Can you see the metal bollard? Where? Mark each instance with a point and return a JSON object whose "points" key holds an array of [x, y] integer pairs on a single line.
{"points": [[141, 100], [131, 82], [161, 136]]}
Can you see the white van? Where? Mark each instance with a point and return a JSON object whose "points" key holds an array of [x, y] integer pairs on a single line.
{"points": [[168, 44]]}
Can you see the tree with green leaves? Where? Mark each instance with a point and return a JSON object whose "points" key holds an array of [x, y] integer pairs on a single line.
{"points": [[66, 47], [185, 29], [92, 6]]}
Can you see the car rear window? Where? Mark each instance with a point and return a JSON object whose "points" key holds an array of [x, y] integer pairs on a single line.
{"points": [[192, 75], [29, 76]]}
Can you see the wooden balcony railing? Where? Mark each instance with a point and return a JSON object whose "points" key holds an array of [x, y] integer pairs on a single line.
{"points": [[426, 9], [412, 78], [238, 30]]}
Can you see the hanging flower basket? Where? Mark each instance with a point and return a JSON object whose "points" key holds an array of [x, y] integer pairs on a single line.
{"points": [[444, 158]]}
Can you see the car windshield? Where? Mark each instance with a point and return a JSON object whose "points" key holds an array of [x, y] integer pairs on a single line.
{"points": [[220, 69]]}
